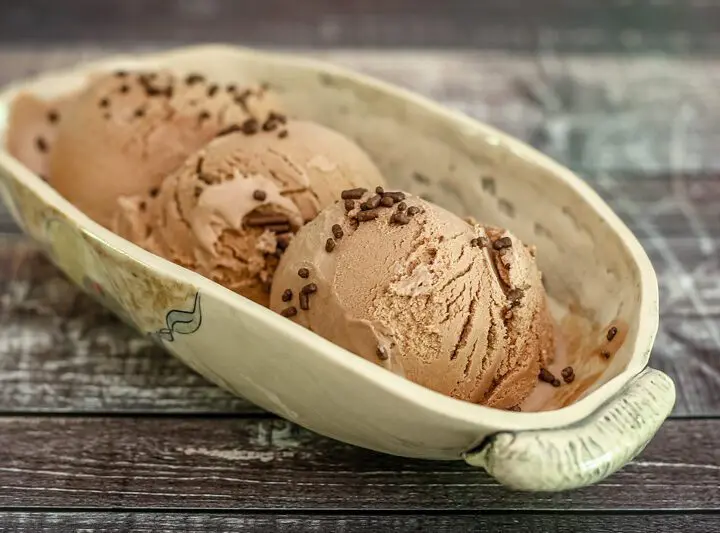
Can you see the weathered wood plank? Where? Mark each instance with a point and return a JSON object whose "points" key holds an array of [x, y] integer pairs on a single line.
{"points": [[89, 522], [578, 25], [268, 464]]}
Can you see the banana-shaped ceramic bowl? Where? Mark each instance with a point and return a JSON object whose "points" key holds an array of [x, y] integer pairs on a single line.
{"points": [[596, 274]]}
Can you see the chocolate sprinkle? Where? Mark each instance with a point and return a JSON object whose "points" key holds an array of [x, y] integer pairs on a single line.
{"points": [[204, 115], [154, 191], [303, 273], [139, 112], [349, 205], [240, 99], [605, 354], [273, 121], [546, 376], [41, 144], [366, 216], [555, 382], [353, 194], [371, 203], [250, 126], [283, 134], [233, 128], [124, 89], [329, 245], [278, 228], [212, 90], [283, 241], [304, 301], [104, 103], [150, 90], [382, 353], [259, 195], [397, 196], [53, 116], [278, 117], [400, 219], [121, 73], [289, 312], [265, 220], [568, 374], [387, 201], [413, 210], [502, 242], [515, 295], [310, 288], [192, 79], [231, 88], [402, 206], [611, 333], [270, 124], [337, 231], [379, 190]]}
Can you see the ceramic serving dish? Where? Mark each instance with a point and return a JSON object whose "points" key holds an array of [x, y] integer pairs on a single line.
{"points": [[595, 271]]}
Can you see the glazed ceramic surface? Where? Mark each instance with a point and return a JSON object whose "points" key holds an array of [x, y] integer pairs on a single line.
{"points": [[594, 269]]}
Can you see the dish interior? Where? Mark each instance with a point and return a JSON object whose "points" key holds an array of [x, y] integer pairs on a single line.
{"points": [[590, 275]]}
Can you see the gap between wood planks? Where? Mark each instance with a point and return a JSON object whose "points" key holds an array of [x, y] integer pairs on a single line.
{"points": [[6, 510]]}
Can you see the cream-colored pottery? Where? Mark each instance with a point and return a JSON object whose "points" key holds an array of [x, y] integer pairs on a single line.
{"points": [[594, 270]]}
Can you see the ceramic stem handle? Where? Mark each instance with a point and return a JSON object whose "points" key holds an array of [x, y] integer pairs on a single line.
{"points": [[583, 453]]}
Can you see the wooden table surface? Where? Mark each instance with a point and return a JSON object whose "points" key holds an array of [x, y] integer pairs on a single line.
{"points": [[101, 430]]}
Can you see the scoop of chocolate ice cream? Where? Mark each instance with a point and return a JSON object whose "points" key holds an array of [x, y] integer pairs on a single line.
{"points": [[231, 209], [455, 307], [125, 132]]}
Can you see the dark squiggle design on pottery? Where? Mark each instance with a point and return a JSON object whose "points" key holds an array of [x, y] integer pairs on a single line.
{"points": [[181, 322]]}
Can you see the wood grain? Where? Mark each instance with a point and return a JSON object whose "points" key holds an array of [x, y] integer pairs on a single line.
{"points": [[269, 464], [579, 25], [66, 522]]}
